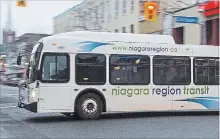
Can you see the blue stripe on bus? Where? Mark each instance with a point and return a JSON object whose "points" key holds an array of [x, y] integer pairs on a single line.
{"points": [[208, 97], [90, 45], [206, 102]]}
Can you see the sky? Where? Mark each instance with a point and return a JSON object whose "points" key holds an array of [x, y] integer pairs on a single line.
{"points": [[36, 17]]}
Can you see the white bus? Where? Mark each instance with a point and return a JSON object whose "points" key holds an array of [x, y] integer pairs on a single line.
{"points": [[88, 77]]}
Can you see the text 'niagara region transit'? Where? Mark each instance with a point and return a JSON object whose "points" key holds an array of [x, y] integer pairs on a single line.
{"points": [[160, 91]]}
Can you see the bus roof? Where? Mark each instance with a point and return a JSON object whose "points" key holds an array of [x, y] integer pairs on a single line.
{"points": [[69, 44], [121, 37]]}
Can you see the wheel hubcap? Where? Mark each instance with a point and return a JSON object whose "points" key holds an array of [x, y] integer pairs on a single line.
{"points": [[89, 106]]}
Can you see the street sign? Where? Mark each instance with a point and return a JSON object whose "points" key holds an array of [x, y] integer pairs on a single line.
{"points": [[185, 19]]}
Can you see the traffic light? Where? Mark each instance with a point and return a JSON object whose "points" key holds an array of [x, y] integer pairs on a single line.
{"points": [[150, 11], [21, 3]]}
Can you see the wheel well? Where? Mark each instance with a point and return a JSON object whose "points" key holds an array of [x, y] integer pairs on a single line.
{"points": [[91, 90]]}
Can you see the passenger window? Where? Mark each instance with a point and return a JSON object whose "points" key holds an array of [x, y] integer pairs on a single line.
{"points": [[129, 70], [55, 68], [90, 69], [206, 71], [171, 70]]}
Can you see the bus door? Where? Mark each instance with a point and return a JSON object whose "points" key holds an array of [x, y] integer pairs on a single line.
{"points": [[55, 89]]}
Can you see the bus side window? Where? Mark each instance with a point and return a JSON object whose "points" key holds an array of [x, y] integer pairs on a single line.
{"points": [[129, 70], [90, 69], [171, 70], [55, 67], [206, 71]]}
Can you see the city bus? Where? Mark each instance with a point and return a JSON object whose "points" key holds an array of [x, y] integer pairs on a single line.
{"points": [[87, 77]]}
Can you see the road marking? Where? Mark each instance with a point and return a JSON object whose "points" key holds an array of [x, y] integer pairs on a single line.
{"points": [[8, 94], [12, 96], [5, 107]]}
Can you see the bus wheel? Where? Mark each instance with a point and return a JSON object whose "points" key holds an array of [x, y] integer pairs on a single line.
{"points": [[89, 106]]}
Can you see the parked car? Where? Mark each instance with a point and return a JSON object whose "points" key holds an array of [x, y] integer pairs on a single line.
{"points": [[13, 82], [6, 81]]}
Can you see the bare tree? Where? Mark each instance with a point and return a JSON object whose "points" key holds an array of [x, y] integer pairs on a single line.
{"points": [[90, 18]]}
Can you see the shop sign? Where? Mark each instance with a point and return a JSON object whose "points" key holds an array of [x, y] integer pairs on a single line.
{"points": [[211, 8]]}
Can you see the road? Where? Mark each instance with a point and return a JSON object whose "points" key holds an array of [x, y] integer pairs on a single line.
{"points": [[19, 123]]}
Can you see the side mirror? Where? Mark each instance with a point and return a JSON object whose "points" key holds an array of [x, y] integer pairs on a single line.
{"points": [[38, 74], [27, 72], [19, 60]]}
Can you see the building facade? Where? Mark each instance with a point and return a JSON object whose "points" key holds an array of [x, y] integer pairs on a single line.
{"points": [[208, 14], [88, 15], [8, 37], [211, 14], [114, 16], [187, 33], [68, 20], [127, 16], [26, 43]]}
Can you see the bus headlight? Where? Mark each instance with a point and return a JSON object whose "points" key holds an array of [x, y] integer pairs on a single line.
{"points": [[33, 93]]}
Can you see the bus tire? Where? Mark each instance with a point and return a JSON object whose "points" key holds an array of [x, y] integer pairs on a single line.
{"points": [[89, 106]]}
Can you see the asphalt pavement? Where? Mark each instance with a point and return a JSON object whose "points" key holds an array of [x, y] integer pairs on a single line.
{"points": [[20, 123]]}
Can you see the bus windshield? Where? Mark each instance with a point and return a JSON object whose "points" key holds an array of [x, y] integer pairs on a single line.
{"points": [[34, 63]]}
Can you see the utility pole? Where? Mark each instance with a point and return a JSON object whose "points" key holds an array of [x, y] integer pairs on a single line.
{"points": [[169, 16], [204, 31], [203, 24], [169, 22]]}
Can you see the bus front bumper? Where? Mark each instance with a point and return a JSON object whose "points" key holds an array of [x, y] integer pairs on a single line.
{"points": [[31, 107]]}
